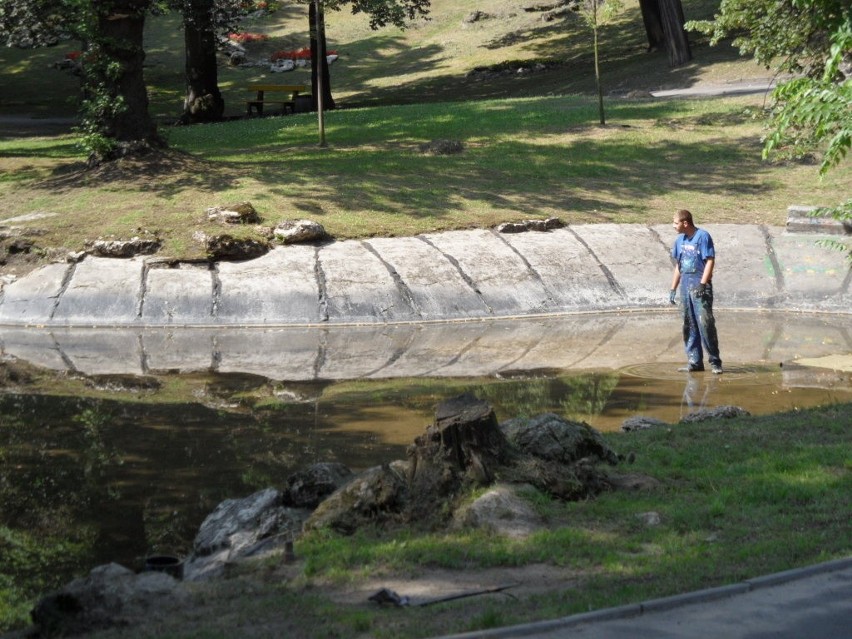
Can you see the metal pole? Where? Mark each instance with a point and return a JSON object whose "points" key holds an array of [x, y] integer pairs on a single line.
{"points": [[320, 66]]}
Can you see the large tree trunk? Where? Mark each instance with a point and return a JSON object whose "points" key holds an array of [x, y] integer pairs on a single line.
{"points": [[118, 99], [677, 44], [204, 102], [319, 61], [653, 24]]}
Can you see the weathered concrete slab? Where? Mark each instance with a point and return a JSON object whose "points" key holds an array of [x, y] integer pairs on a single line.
{"points": [[573, 278], [31, 299], [744, 275], [280, 354], [182, 350], [815, 277], [36, 346], [278, 288], [636, 256], [562, 344], [437, 287], [504, 280], [102, 292], [442, 276], [359, 287], [493, 345], [103, 352], [178, 296], [619, 342], [362, 351], [785, 339]]}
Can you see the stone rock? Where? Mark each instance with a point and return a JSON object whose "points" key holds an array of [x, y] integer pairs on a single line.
{"points": [[550, 16], [442, 147], [307, 488], [638, 94], [633, 481], [719, 412], [240, 213], [282, 66], [125, 248], [565, 481], [377, 495], [475, 16], [641, 422], [650, 518], [109, 596], [531, 225], [299, 231], [242, 528], [546, 5], [553, 438], [227, 247], [501, 510]]}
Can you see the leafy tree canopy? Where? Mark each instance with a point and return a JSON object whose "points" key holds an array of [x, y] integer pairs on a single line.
{"points": [[794, 35], [382, 12]]}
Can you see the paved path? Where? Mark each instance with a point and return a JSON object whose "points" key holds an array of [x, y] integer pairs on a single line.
{"points": [[811, 602]]}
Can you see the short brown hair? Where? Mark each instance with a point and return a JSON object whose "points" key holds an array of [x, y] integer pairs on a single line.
{"points": [[684, 216]]}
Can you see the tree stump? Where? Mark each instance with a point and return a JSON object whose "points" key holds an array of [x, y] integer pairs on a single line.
{"points": [[464, 445]]}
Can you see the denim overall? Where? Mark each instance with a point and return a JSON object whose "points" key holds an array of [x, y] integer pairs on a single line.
{"points": [[699, 325]]}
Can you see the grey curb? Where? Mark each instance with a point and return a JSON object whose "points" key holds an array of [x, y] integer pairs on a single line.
{"points": [[656, 605]]}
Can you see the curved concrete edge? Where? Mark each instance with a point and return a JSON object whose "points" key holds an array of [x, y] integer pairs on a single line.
{"points": [[457, 275], [656, 605]]}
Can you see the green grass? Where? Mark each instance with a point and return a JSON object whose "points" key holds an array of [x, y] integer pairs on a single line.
{"points": [[532, 145], [736, 498], [523, 158]]}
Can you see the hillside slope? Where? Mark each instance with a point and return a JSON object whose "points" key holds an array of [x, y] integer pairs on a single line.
{"points": [[519, 53]]}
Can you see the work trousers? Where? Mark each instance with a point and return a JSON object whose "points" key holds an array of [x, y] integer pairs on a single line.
{"points": [[699, 325]]}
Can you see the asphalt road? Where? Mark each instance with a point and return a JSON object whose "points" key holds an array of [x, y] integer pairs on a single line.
{"points": [[812, 603]]}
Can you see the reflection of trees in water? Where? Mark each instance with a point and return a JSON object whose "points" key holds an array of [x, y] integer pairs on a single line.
{"points": [[587, 395], [89, 480], [42, 542], [576, 396]]}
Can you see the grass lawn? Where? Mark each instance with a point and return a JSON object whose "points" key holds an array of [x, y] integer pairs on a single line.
{"points": [[523, 158], [735, 499], [533, 148]]}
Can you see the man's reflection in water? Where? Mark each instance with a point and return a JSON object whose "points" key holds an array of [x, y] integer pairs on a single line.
{"points": [[697, 393]]}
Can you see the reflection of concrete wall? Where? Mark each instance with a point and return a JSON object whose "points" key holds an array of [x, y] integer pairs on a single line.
{"points": [[442, 276], [458, 349]]}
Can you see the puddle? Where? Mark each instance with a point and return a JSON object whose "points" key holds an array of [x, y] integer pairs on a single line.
{"points": [[127, 460]]}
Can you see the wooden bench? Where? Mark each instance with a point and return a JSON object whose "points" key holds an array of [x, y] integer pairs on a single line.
{"points": [[260, 98]]}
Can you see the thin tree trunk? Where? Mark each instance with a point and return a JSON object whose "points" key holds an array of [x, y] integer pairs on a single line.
{"points": [[203, 102], [317, 64], [598, 79]]}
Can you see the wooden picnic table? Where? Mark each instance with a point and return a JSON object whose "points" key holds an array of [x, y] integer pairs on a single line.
{"points": [[260, 99]]}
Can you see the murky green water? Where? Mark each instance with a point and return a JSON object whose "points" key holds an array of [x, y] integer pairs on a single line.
{"points": [[117, 467]]}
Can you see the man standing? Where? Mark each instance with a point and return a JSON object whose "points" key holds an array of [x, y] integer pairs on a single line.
{"points": [[694, 258]]}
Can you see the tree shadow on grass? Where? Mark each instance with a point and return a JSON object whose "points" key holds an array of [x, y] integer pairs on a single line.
{"points": [[580, 167]]}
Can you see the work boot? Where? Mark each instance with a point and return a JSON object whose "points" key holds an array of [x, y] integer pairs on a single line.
{"points": [[691, 368]]}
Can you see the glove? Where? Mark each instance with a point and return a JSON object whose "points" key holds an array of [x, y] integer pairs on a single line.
{"points": [[701, 291], [673, 296]]}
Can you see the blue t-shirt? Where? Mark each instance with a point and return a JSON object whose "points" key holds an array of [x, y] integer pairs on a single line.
{"points": [[692, 253]]}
